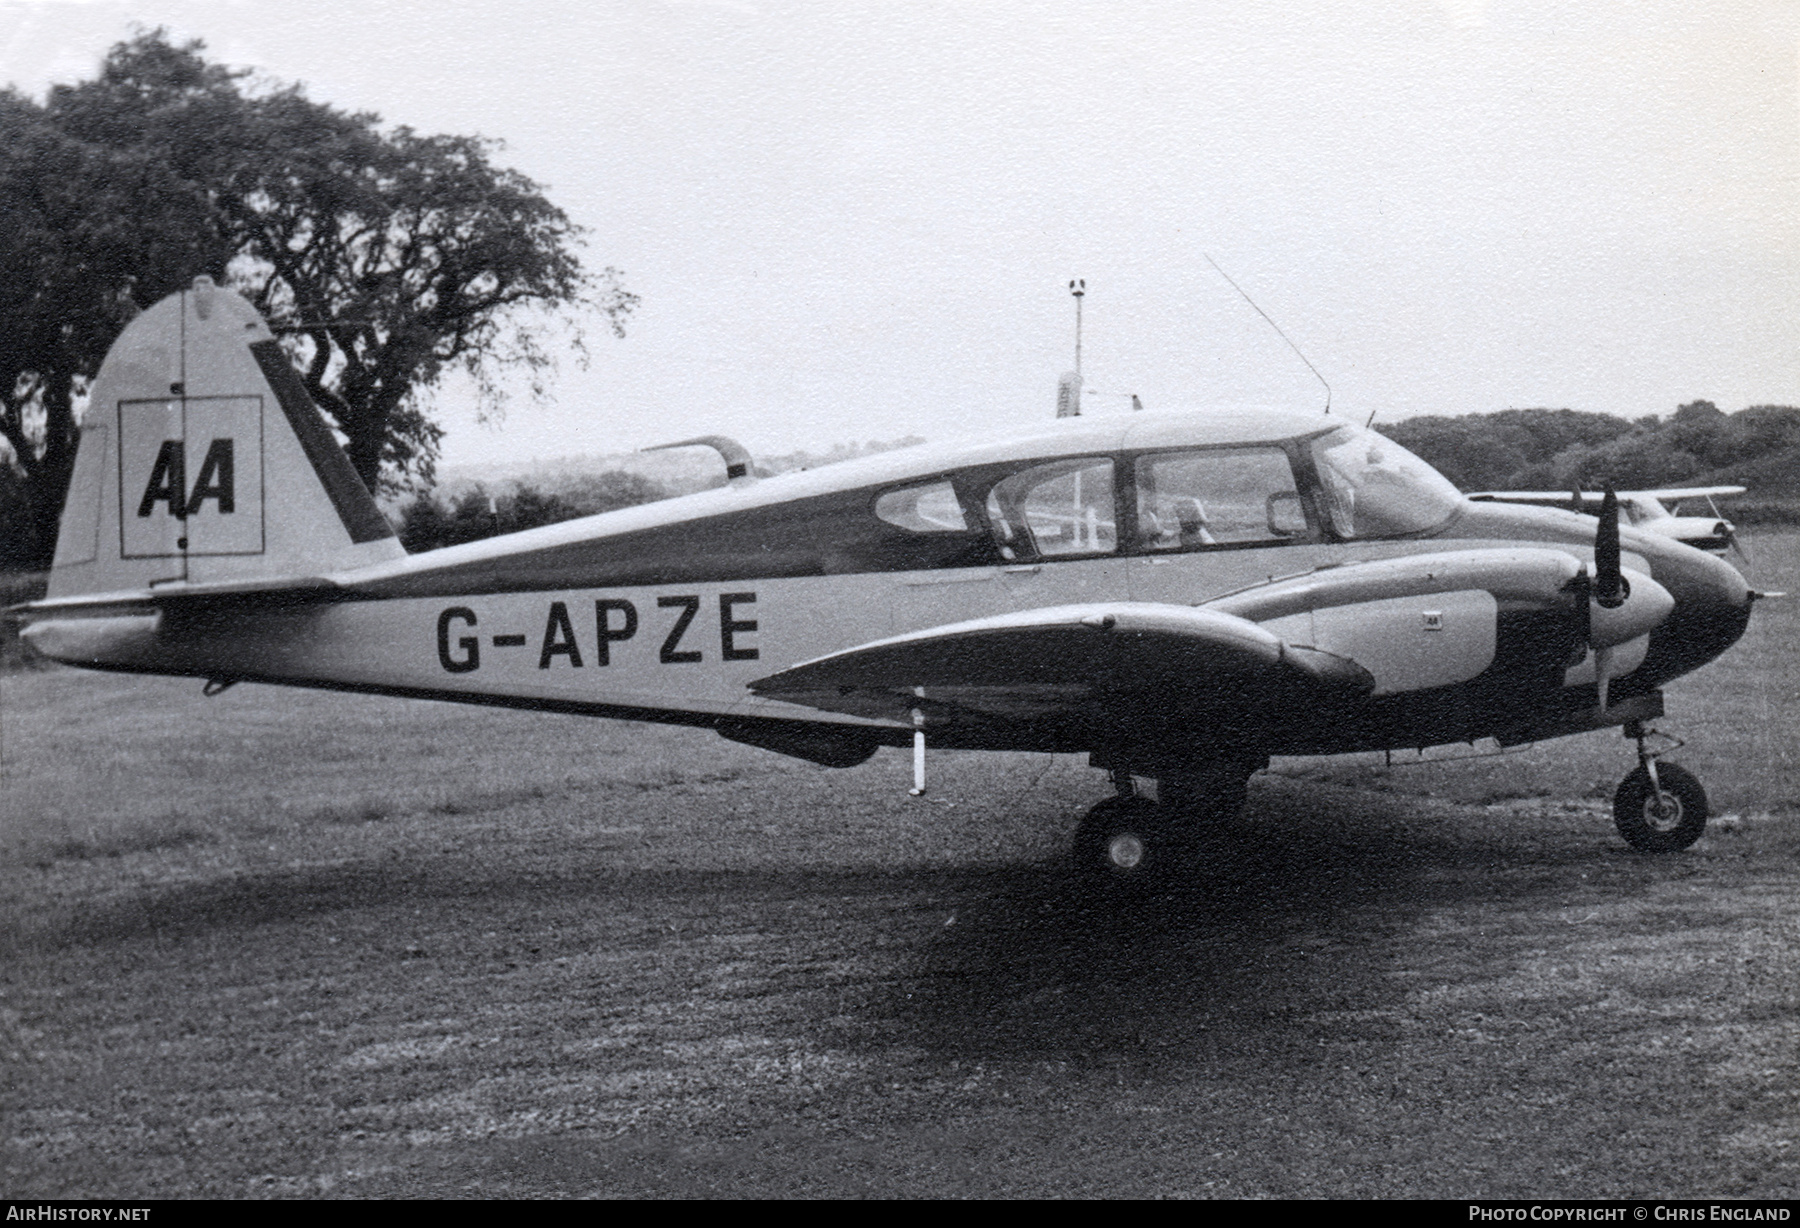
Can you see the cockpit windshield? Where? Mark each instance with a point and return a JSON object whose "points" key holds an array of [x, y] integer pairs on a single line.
{"points": [[1370, 486]]}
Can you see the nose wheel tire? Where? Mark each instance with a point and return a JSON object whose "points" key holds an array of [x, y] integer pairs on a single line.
{"points": [[1662, 820], [1121, 842]]}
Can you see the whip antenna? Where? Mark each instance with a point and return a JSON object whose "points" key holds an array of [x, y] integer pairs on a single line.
{"points": [[1265, 315]]}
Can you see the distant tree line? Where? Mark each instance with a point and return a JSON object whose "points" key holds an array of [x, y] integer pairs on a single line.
{"points": [[430, 521], [1560, 449]]}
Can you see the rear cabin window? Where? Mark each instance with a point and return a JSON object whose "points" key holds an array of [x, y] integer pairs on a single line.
{"points": [[1061, 508], [1219, 497], [931, 508]]}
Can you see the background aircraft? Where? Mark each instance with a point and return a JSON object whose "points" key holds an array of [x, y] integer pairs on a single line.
{"points": [[1645, 509], [1177, 595]]}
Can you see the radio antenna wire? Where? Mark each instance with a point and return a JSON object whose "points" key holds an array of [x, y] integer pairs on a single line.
{"points": [[1265, 315]]}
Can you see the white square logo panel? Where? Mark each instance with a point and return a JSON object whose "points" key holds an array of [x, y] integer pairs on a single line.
{"points": [[190, 477]]}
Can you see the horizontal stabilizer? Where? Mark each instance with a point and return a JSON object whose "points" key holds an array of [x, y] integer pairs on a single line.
{"points": [[126, 629], [233, 594]]}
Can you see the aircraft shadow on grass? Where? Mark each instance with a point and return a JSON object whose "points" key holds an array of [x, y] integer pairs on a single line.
{"points": [[1303, 907]]}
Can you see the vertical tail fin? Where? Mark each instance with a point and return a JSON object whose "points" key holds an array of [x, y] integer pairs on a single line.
{"points": [[203, 459]]}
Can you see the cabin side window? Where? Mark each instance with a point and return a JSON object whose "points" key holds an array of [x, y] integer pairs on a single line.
{"points": [[1217, 497], [1061, 508]]}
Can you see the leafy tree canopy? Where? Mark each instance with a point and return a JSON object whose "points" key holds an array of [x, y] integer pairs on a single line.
{"points": [[86, 234], [387, 258]]}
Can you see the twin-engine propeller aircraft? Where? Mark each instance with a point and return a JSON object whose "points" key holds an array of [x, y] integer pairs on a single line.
{"points": [[1646, 510], [1180, 596]]}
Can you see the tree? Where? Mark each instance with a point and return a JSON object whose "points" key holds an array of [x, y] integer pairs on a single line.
{"points": [[385, 257], [86, 233], [1490, 451], [1697, 427]]}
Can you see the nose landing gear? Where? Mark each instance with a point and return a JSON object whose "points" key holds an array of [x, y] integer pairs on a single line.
{"points": [[1659, 807]]}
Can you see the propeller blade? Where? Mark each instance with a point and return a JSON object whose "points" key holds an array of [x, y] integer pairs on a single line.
{"points": [[1610, 589]]}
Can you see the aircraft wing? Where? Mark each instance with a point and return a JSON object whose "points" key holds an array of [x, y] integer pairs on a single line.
{"points": [[1088, 664], [1560, 498], [1693, 492], [1543, 498]]}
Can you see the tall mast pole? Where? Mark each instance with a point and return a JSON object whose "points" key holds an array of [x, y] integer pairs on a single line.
{"points": [[1078, 288]]}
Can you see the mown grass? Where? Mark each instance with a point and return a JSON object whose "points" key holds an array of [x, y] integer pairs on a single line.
{"points": [[812, 984], [286, 943], [102, 763]]}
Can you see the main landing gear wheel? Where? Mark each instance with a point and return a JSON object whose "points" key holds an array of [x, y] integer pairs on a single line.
{"points": [[1121, 842], [1664, 819]]}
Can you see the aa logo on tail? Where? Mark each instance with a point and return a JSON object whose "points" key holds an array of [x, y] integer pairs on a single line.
{"points": [[190, 477], [217, 480]]}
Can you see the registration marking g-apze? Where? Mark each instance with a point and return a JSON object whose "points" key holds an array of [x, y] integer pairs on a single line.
{"points": [[582, 634]]}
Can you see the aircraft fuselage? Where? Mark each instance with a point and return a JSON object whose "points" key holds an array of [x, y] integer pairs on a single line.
{"points": [[686, 649]]}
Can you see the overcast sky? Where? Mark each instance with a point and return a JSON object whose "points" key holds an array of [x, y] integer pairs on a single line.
{"points": [[855, 220]]}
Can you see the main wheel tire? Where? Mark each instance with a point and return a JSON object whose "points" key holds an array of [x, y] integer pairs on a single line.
{"points": [[1121, 842], [1663, 820]]}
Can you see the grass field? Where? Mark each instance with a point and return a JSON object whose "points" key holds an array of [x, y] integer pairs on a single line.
{"points": [[280, 943]]}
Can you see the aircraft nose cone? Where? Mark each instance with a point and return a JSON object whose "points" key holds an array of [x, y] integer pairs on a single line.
{"points": [[1646, 607], [1712, 608]]}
